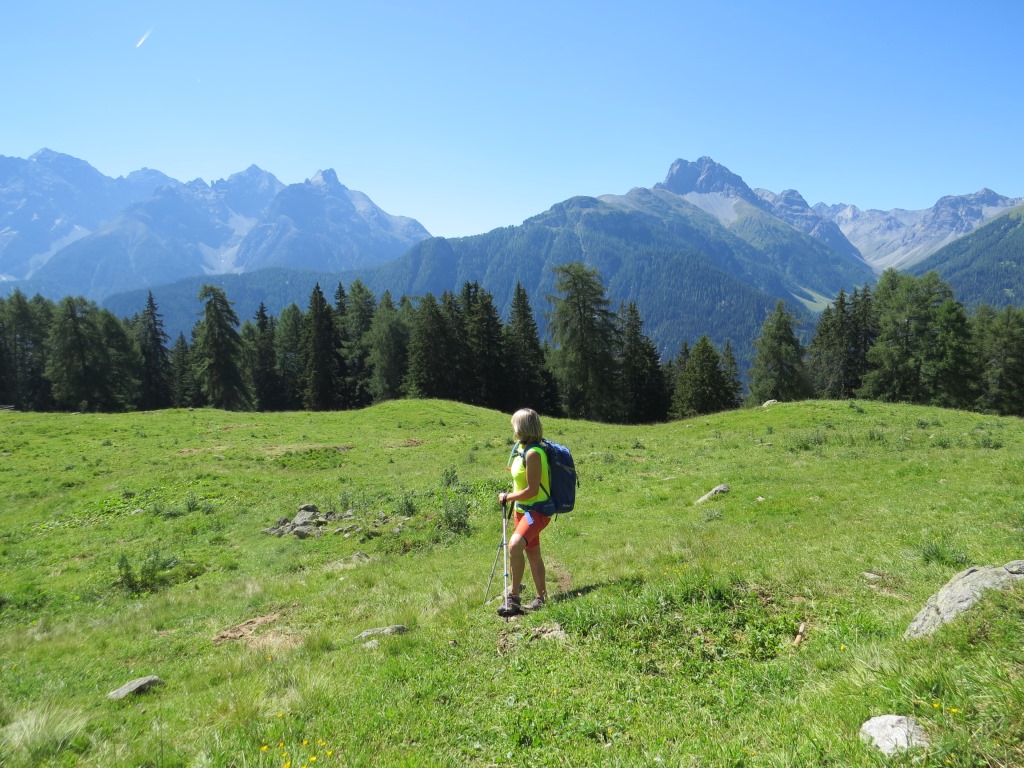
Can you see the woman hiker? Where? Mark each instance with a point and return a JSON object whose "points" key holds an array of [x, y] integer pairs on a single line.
{"points": [[530, 476]]}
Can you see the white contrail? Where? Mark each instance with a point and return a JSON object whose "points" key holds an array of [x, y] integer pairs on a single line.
{"points": [[143, 38]]}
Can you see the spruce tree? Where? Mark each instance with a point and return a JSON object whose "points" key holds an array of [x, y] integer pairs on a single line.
{"points": [[832, 355], [266, 383], [1000, 341], [778, 372], [923, 350], [288, 352], [531, 384], [457, 374], [864, 332], [585, 337], [321, 364], [155, 374], [184, 390], [701, 387], [26, 328], [388, 344], [89, 358], [427, 374], [733, 395], [217, 352], [359, 308], [487, 377], [645, 392]]}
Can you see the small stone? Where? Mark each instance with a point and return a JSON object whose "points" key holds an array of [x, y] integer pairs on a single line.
{"points": [[139, 685], [397, 629], [718, 489], [893, 733]]}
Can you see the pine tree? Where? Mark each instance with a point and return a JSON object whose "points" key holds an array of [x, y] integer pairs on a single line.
{"points": [[922, 345], [731, 375], [89, 360], [531, 384], [355, 323], [456, 375], [26, 328], [427, 374], [701, 387], [832, 354], [321, 364], [184, 389], [1000, 340], [645, 392], [217, 352], [155, 374], [266, 383], [288, 351], [487, 378], [585, 334], [388, 342], [864, 332], [778, 372]]}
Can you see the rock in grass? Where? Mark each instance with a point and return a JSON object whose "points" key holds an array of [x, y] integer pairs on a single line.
{"points": [[397, 629], [893, 733], [139, 685], [306, 523], [960, 593], [354, 560], [718, 489]]}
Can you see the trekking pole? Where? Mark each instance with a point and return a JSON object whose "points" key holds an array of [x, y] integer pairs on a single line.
{"points": [[501, 548]]}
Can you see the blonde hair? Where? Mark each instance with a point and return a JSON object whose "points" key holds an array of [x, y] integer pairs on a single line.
{"points": [[526, 426]]}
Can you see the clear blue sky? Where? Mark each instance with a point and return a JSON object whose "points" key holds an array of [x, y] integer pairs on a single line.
{"points": [[474, 115]]}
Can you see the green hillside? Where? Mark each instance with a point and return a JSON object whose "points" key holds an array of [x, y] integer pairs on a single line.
{"points": [[133, 545], [986, 266], [688, 274]]}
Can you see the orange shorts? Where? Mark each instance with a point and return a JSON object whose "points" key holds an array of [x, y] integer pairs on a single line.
{"points": [[529, 525]]}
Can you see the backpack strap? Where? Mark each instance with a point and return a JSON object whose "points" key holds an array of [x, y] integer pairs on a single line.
{"points": [[516, 451]]}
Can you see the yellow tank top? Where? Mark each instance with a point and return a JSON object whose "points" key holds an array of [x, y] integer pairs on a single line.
{"points": [[518, 470]]}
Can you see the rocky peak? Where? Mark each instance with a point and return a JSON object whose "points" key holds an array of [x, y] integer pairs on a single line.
{"points": [[327, 180], [705, 176]]}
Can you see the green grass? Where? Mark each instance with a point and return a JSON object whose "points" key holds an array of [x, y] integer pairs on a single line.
{"points": [[130, 543]]}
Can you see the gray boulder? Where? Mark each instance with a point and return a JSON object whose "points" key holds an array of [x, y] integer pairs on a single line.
{"points": [[717, 490], [961, 593], [308, 522], [139, 685], [893, 733]]}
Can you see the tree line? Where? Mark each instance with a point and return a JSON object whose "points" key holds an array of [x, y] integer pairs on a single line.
{"points": [[906, 339]]}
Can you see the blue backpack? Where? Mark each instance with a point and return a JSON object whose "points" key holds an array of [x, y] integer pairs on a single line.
{"points": [[562, 471]]}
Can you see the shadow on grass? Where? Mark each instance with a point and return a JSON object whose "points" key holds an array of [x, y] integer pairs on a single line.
{"points": [[572, 594]]}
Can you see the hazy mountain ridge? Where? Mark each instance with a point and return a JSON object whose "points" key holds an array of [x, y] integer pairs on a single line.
{"points": [[65, 228], [901, 238]]}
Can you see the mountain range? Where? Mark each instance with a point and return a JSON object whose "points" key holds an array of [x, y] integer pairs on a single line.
{"points": [[65, 228], [700, 252]]}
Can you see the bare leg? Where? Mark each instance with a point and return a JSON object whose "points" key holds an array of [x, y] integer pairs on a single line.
{"points": [[538, 572], [517, 561]]}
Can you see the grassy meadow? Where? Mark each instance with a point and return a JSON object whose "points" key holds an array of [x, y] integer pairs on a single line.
{"points": [[134, 545]]}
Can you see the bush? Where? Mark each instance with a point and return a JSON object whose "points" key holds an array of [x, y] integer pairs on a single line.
{"points": [[454, 517]]}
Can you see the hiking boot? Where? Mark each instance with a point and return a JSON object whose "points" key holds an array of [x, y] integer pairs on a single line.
{"points": [[536, 604], [510, 607]]}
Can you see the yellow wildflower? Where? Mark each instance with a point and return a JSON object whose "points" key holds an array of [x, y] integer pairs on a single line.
{"points": [[264, 748]]}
